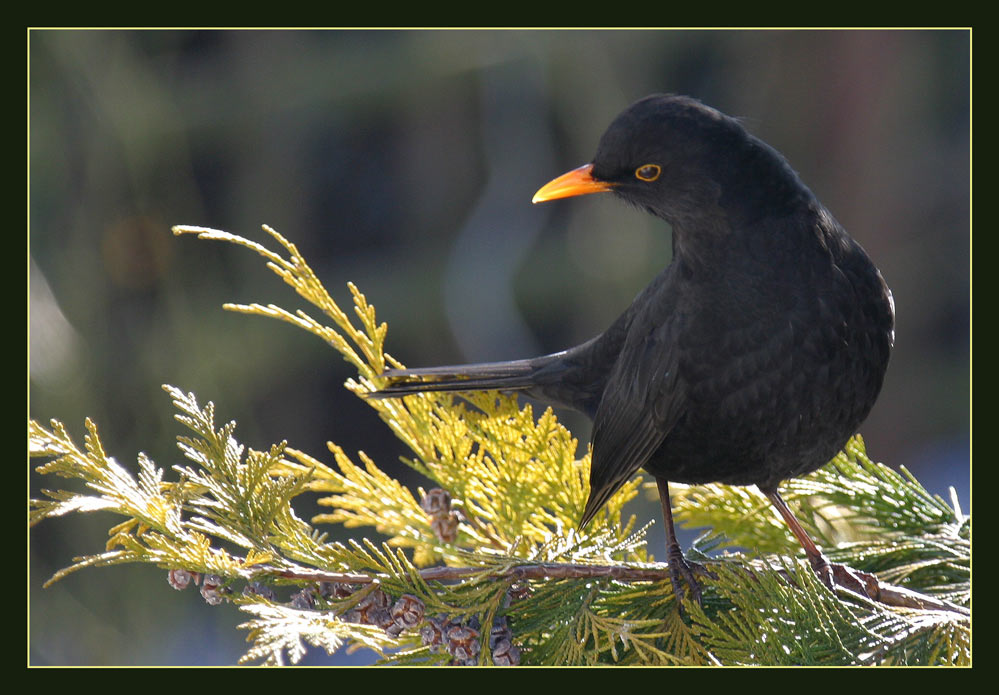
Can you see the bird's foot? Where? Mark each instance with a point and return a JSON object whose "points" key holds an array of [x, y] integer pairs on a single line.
{"points": [[833, 575], [683, 571]]}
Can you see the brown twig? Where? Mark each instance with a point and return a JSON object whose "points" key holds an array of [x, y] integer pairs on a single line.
{"points": [[892, 595], [886, 594], [548, 570]]}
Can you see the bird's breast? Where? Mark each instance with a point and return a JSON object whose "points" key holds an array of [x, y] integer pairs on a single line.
{"points": [[777, 376]]}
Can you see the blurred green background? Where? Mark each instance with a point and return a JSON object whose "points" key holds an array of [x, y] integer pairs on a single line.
{"points": [[405, 161]]}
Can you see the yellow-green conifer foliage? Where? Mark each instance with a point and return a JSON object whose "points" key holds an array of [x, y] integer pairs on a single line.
{"points": [[485, 564]]}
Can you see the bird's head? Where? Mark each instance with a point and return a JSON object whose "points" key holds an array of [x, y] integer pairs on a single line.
{"points": [[681, 161]]}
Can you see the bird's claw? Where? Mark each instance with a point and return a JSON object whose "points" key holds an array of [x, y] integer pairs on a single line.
{"points": [[683, 571], [833, 575]]}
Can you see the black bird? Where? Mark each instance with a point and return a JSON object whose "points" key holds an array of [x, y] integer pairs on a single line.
{"points": [[752, 358]]}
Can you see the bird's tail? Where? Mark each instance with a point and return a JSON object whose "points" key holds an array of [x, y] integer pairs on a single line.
{"points": [[516, 375]]}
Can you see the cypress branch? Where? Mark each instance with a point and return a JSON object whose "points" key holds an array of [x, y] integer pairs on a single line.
{"points": [[485, 566]]}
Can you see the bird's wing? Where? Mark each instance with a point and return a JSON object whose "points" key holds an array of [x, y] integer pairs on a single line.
{"points": [[639, 407]]}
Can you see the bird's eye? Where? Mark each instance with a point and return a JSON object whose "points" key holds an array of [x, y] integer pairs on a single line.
{"points": [[648, 172]]}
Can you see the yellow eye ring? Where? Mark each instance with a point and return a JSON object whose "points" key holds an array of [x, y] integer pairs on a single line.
{"points": [[648, 172]]}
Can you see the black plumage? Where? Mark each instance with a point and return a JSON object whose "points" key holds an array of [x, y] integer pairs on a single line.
{"points": [[751, 358]]}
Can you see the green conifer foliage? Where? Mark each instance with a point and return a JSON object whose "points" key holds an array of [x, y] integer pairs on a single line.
{"points": [[485, 565]]}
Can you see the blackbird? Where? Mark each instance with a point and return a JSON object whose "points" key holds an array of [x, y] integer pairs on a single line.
{"points": [[752, 358]]}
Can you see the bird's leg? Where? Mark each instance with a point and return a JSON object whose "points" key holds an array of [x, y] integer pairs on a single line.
{"points": [[679, 567], [832, 574]]}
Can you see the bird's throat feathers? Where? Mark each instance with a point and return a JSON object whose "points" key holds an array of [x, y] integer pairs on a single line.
{"points": [[730, 221]]}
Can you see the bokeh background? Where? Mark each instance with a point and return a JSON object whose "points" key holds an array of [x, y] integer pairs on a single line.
{"points": [[405, 161]]}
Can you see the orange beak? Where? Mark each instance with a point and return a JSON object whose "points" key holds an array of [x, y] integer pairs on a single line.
{"points": [[576, 182]]}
